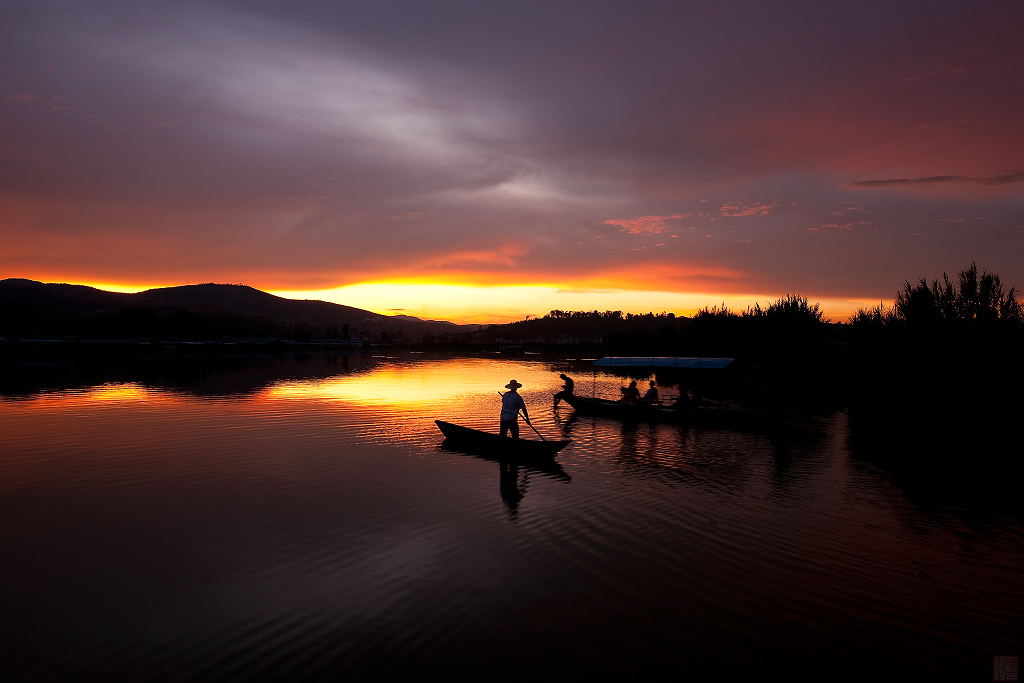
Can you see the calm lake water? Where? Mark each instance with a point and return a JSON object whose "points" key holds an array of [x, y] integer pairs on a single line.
{"points": [[298, 520]]}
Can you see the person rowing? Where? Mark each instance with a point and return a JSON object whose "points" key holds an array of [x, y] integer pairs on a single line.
{"points": [[511, 404], [566, 390]]}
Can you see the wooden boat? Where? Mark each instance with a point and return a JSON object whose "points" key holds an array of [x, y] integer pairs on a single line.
{"points": [[702, 414], [602, 407], [474, 439]]}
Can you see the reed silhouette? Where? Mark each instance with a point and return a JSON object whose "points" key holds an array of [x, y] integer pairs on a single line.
{"points": [[941, 364], [977, 301]]}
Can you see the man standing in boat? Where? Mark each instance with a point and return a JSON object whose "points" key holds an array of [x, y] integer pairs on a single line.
{"points": [[511, 404]]}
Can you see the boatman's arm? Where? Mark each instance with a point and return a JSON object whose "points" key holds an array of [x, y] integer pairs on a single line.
{"points": [[522, 407]]}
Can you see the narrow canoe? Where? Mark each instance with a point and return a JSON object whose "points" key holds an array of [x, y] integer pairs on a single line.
{"points": [[468, 438]]}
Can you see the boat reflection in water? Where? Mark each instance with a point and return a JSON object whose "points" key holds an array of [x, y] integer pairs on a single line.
{"points": [[514, 457], [304, 519]]}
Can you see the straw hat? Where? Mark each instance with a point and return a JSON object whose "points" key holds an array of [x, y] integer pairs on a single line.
{"points": [[513, 385]]}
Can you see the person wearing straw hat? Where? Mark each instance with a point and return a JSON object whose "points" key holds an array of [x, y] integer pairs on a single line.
{"points": [[511, 404]]}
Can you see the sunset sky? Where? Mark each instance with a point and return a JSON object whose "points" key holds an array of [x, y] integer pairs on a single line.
{"points": [[481, 161]]}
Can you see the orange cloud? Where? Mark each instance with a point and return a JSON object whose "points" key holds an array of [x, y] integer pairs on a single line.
{"points": [[670, 276], [504, 255], [645, 224], [844, 226], [733, 209]]}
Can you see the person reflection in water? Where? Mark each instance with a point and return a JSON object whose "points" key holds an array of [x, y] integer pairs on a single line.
{"points": [[684, 402], [510, 488], [511, 404], [566, 390]]}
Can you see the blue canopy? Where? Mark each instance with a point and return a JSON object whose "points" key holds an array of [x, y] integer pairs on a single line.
{"points": [[662, 362]]}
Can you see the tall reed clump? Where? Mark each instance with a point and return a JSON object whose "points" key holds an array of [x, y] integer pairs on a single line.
{"points": [[946, 353], [789, 309], [981, 302], [973, 300]]}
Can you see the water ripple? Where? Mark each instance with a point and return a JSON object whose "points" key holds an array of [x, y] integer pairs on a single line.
{"points": [[299, 532]]}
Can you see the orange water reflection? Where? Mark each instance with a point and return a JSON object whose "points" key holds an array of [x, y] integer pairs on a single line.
{"points": [[462, 389], [399, 398], [103, 394], [390, 385]]}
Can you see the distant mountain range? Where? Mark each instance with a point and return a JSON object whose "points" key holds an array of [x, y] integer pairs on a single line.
{"points": [[30, 308]]}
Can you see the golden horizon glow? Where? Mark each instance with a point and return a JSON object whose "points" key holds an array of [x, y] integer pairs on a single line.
{"points": [[469, 304], [125, 289], [116, 287], [473, 304]]}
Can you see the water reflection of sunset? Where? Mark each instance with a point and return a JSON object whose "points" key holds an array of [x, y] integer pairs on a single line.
{"points": [[463, 390], [206, 532], [412, 384], [404, 385], [105, 394], [396, 401], [115, 393]]}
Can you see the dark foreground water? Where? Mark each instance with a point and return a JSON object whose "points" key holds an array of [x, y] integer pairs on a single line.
{"points": [[298, 520]]}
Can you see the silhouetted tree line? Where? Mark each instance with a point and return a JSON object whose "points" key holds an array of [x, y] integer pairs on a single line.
{"points": [[604, 316], [780, 348], [946, 349], [584, 315], [588, 327]]}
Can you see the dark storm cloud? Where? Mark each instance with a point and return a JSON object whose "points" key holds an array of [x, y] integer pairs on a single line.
{"points": [[997, 179], [317, 143]]}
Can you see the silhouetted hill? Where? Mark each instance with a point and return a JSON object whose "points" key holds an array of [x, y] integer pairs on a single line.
{"points": [[242, 299], [30, 308]]}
